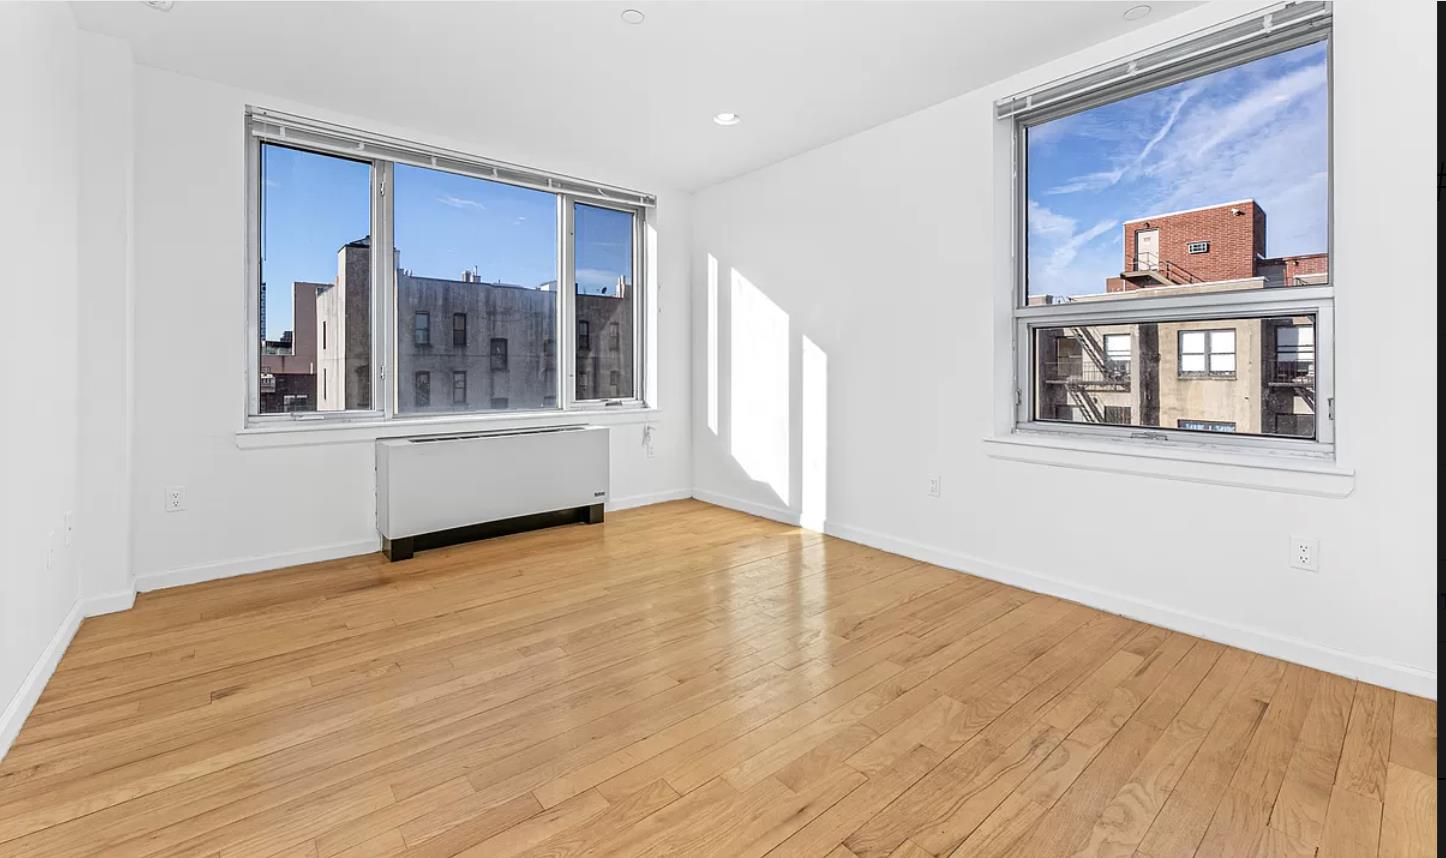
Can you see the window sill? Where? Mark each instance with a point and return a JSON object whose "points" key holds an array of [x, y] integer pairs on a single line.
{"points": [[305, 433], [1267, 471]]}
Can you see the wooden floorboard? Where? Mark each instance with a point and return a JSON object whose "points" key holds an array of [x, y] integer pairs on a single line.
{"points": [[689, 680]]}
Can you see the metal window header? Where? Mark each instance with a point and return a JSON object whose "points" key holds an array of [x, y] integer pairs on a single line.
{"points": [[289, 129], [1271, 30]]}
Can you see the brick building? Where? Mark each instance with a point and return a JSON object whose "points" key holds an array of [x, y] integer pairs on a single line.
{"points": [[1213, 375]]}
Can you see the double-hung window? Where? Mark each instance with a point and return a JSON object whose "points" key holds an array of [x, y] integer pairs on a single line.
{"points": [[359, 243], [1173, 241]]}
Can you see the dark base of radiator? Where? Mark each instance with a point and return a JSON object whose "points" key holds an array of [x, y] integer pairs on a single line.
{"points": [[402, 549]]}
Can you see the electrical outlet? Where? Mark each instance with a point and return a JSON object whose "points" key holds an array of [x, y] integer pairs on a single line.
{"points": [[175, 498], [1305, 553], [649, 448], [69, 526], [935, 486], [49, 550]]}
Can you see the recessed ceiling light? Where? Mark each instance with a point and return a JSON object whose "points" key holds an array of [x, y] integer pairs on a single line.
{"points": [[632, 16], [1135, 13], [727, 118]]}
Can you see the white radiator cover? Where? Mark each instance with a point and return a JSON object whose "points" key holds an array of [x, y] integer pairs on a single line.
{"points": [[431, 483]]}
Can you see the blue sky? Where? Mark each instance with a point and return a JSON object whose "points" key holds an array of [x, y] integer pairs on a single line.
{"points": [[1255, 131], [445, 224]]}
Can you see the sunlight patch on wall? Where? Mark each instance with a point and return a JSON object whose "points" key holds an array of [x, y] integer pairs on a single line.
{"points": [[758, 386], [712, 344], [814, 436]]}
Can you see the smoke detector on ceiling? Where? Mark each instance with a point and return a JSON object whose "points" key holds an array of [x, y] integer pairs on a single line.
{"points": [[160, 5]]}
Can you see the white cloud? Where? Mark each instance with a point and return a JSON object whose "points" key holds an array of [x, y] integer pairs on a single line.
{"points": [[1102, 179], [459, 202]]}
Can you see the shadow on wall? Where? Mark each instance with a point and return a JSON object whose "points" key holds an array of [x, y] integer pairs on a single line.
{"points": [[777, 436]]}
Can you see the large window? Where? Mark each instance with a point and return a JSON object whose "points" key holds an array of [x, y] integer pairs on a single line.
{"points": [[1174, 264], [360, 245]]}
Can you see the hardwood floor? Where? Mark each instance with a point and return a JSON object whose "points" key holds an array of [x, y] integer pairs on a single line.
{"points": [[686, 680]]}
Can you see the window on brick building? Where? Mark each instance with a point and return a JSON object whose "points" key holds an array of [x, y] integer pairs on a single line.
{"points": [[1173, 241]]}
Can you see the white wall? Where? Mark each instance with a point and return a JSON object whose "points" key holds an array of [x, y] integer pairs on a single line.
{"points": [[880, 262], [38, 141], [258, 508], [106, 383]]}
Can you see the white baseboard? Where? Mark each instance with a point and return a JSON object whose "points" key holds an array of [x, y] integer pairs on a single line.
{"points": [[109, 603], [632, 501], [762, 510], [265, 563], [18, 709], [1377, 671], [247, 565]]}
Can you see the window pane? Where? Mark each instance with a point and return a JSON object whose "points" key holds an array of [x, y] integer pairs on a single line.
{"points": [[1259, 388], [1166, 192], [483, 254], [603, 258], [1192, 342], [315, 290]]}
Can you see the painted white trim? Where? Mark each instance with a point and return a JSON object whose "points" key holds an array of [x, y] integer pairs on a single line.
{"points": [[267, 562], [768, 511], [18, 709], [1377, 671], [300, 433], [110, 603], [247, 565], [633, 501], [1260, 469]]}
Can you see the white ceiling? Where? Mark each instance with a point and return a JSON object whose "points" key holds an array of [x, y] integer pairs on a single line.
{"points": [[570, 83]]}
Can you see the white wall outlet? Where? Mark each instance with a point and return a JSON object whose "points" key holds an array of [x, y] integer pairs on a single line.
{"points": [[1305, 553], [49, 550], [935, 486], [649, 447], [175, 498], [69, 527]]}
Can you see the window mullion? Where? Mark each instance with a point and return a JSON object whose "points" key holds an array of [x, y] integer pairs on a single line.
{"points": [[566, 311]]}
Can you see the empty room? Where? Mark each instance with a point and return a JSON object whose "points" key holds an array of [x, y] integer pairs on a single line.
{"points": [[736, 428]]}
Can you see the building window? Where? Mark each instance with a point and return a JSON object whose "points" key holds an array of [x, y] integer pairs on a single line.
{"points": [[1153, 247], [478, 241], [422, 387], [459, 387], [1207, 353]]}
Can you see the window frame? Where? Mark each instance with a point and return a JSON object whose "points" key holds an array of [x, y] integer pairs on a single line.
{"points": [[1208, 354], [1317, 301], [263, 126], [568, 352]]}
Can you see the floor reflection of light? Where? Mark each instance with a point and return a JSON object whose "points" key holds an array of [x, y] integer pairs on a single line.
{"points": [[758, 390], [814, 436]]}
